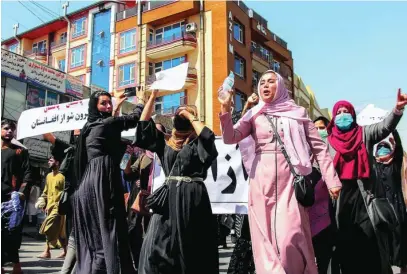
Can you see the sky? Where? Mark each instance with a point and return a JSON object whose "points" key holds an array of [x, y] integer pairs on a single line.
{"points": [[355, 51]]}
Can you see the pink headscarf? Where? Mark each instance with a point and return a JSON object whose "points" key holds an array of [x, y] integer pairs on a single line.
{"points": [[293, 118]]}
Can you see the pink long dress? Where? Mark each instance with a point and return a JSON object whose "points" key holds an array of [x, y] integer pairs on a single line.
{"points": [[279, 225]]}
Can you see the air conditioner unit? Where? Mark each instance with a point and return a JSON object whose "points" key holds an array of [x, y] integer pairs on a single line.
{"points": [[191, 27], [250, 13]]}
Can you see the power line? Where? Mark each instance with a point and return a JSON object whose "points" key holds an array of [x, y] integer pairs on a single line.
{"points": [[45, 9], [30, 11]]}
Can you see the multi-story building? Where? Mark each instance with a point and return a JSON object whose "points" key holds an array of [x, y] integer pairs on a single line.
{"points": [[305, 97], [115, 45]]}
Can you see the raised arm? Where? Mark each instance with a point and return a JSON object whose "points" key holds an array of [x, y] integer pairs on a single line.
{"points": [[149, 107], [232, 134], [377, 132], [125, 122]]}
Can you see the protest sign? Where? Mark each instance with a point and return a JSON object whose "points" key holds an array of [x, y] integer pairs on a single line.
{"points": [[171, 79], [227, 182], [62, 117]]}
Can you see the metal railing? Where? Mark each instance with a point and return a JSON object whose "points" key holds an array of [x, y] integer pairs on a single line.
{"points": [[37, 52], [173, 38], [146, 6], [57, 44], [262, 55]]}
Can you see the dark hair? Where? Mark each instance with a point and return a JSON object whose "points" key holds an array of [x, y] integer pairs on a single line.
{"points": [[12, 124], [323, 119]]}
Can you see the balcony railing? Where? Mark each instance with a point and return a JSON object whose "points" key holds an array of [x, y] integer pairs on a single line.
{"points": [[190, 74], [58, 44], [36, 52], [146, 6], [268, 58], [173, 38]]}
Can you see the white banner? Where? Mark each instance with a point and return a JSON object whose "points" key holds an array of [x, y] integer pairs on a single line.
{"points": [[227, 182], [171, 79], [62, 117]]}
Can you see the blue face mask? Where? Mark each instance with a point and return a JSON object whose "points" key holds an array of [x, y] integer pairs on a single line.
{"points": [[383, 151], [344, 121]]}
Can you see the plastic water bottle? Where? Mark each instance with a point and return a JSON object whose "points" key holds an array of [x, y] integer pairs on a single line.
{"points": [[227, 86], [125, 160]]}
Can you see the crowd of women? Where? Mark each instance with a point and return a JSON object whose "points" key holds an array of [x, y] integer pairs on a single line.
{"points": [[355, 223]]}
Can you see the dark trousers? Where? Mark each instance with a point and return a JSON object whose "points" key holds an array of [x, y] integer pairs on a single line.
{"points": [[137, 229], [323, 244]]}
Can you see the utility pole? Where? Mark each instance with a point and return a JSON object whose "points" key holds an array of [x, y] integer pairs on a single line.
{"points": [[15, 27]]}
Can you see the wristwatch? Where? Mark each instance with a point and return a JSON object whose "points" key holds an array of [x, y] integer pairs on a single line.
{"points": [[194, 119]]}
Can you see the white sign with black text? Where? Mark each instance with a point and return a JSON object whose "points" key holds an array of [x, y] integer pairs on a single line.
{"points": [[227, 181]]}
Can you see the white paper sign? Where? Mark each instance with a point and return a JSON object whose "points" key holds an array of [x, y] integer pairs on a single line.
{"points": [[226, 182], [62, 117], [171, 79]]}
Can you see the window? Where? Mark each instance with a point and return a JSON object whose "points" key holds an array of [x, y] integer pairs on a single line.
{"points": [[239, 100], [62, 38], [128, 41], [158, 106], [78, 56], [171, 102], [170, 32], [40, 47], [276, 66], [78, 27], [126, 75], [170, 63], [13, 48], [35, 97], [255, 78], [239, 66], [151, 36], [14, 99], [238, 32], [61, 64]]}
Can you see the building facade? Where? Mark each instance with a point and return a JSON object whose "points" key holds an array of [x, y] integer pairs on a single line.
{"points": [[116, 45], [305, 97]]}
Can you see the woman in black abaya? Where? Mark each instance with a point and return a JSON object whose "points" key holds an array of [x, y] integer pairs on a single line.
{"points": [[100, 226], [181, 236]]}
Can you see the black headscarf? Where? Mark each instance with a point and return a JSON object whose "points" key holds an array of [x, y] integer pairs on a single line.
{"points": [[94, 116]]}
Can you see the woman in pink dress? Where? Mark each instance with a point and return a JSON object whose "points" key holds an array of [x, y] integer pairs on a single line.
{"points": [[279, 225]]}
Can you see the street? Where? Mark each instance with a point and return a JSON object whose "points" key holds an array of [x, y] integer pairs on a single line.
{"points": [[31, 248]]}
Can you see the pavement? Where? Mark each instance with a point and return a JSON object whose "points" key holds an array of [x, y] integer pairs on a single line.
{"points": [[32, 247]]}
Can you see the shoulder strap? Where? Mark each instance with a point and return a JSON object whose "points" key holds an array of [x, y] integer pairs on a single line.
{"points": [[282, 147]]}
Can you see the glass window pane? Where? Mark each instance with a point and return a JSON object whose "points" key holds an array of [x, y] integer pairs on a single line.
{"points": [[52, 98]]}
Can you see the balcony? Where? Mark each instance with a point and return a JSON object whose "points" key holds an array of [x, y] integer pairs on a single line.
{"points": [[36, 54], [173, 45], [59, 45], [261, 60], [192, 78], [145, 6]]}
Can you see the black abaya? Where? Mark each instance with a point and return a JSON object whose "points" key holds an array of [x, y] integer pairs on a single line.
{"points": [[100, 226], [181, 239]]}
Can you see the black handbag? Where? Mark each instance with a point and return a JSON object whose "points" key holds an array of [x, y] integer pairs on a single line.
{"points": [[303, 185], [381, 212], [64, 205]]}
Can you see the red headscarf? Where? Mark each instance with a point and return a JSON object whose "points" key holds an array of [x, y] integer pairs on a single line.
{"points": [[351, 159]]}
